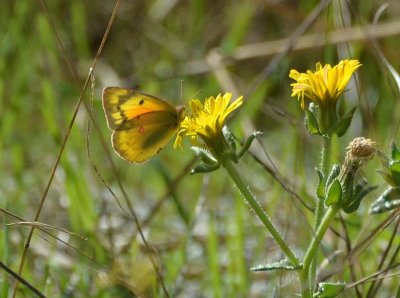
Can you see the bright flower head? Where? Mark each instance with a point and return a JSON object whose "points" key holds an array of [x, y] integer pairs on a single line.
{"points": [[323, 87], [207, 120], [325, 84]]}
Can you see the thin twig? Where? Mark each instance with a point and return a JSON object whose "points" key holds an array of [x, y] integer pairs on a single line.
{"points": [[367, 278], [20, 279], [132, 212], [75, 77], [373, 289], [13, 215], [348, 248]]}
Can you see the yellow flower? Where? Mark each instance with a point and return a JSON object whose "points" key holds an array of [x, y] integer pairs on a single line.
{"points": [[325, 84], [323, 87], [207, 120]]}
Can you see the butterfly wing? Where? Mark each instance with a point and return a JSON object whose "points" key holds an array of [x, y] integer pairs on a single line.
{"points": [[123, 107], [140, 143], [142, 124]]}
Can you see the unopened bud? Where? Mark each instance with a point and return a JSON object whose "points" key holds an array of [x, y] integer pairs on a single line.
{"points": [[360, 150]]}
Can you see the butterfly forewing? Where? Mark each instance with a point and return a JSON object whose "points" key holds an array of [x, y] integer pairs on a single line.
{"points": [[122, 105]]}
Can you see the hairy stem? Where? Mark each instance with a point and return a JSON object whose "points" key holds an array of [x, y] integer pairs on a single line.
{"points": [[313, 248], [256, 207], [319, 210]]}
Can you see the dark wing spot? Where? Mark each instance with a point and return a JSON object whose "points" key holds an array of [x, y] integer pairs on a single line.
{"points": [[121, 111], [141, 101], [159, 149]]}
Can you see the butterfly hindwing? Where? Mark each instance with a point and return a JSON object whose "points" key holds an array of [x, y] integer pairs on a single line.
{"points": [[140, 143]]}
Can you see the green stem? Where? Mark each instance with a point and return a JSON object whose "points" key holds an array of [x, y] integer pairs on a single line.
{"points": [[313, 249], [305, 284], [256, 207], [319, 210], [326, 154], [308, 257]]}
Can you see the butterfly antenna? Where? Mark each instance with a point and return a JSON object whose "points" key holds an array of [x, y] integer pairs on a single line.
{"points": [[197, 93], [181, 94]]}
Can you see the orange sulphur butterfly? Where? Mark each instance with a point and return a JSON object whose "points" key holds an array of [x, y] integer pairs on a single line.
{"points": [[142, 124]]}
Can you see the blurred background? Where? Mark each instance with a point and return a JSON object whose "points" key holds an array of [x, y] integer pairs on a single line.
{"points": [[200, 233]]}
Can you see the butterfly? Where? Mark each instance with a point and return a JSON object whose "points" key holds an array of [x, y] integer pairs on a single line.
{"points": [[142, 124]]}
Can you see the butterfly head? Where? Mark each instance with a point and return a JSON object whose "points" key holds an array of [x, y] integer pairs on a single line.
{"points": [[181, 112]]}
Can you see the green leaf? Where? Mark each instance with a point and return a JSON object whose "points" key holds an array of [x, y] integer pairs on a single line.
{"points": [[334, 193], [329, 290], [343, 125], [248, 142], [229, 137], [321, 186], [333, 175], [394, 167], [281, 265], [204, 155], [389, 200], [360, 191], [205, 168], [311, 123], [395, 153]]}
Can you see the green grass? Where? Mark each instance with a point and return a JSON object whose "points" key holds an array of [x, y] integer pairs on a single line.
{"points": [[204, 236]]}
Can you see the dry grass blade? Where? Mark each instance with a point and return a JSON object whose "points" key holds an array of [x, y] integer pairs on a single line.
{"points": [[348, 243], [374, 277], [304, 42], [45, 226], [373, 289], [40, 228]]}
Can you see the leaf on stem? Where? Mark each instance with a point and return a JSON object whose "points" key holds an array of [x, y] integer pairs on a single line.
{"points": [[312, 123], [343, 125], [329, 290], [281, 265], [389, 200], [334, 193], [321, 186]]}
